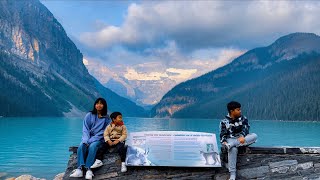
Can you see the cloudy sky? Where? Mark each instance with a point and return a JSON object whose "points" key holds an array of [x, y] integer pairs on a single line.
{"points": [[177, 40]]}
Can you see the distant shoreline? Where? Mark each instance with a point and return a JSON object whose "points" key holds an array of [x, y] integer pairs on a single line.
{"points": [[314, 121]]}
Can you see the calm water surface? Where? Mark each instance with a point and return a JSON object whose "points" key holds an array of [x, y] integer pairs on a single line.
{"points": [[39, 146]]}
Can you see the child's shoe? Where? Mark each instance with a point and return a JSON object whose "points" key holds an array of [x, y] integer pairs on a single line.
{"points": [[123, 167], [232, 176], [89, 174], [76, 173], [228, 146], [225, 147], [97, 164]]}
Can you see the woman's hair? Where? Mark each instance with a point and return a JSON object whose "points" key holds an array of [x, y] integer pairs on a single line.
{"points": [[104, 111]]}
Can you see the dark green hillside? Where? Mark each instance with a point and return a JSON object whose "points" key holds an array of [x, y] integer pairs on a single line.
{"points": [[274, 82], [289, 93]]}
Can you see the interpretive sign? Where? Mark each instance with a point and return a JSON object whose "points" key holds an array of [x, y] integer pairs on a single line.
{"points": [[173, 148]]}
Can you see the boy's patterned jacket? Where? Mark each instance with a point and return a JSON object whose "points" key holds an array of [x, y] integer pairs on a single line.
{"points": [[233, 128], [113, 132]]}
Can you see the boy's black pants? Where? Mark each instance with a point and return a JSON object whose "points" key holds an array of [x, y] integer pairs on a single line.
{"points": [[120, 148]]}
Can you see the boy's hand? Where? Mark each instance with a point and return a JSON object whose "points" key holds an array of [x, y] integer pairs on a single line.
{"points": [[241, 140], [110, 143], [115, 142]]}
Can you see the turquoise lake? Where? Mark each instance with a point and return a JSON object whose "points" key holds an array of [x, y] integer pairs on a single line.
{"points": [[39, 146]]}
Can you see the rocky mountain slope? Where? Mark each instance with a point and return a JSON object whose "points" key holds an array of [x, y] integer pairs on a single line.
{"points": [[42, 71], [274, 82]]}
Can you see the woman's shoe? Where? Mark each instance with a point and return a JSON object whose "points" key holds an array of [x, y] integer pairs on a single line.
{"points": [[76, 173], [89, 174], [97, 164]]}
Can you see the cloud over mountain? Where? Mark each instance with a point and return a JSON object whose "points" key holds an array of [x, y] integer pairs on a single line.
{"points": [[193, 25], [192, 36]]}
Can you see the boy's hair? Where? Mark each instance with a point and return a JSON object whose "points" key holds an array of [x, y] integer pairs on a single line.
{"points": [[233, 105], [114, 115]]}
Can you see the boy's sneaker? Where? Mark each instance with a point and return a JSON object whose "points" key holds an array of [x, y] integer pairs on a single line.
{"points": [[76, 173], [232, 176], [123, 167], [225, 148], [96, 164], [89, 174]]}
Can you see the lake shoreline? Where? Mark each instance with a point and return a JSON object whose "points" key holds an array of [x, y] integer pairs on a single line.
{"points": [[81, 117], [35, 137]]}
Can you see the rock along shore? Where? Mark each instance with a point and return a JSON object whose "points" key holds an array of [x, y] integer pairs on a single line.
{"points": [[253, 163]]}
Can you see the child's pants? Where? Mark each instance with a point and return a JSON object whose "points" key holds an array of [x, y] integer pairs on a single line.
{"points": [[233, 151], [120, 148]]}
